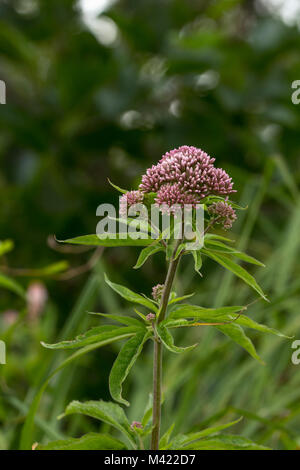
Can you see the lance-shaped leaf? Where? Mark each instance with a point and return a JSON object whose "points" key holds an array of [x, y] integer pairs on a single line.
{"points": [[214, 236], [194, 436], [105, 334], [237, 334], [164, 441], [130, 295], [124, 319], [220, 247], [108, 412], [197, 260], [122, 191], [168, 340], [108, 240], [179, 299], [146, 253], [219, 315], [90, 441], [10, 284], [225, 442], [227, 263], [124, 362], [205, 314], [232, 330]]}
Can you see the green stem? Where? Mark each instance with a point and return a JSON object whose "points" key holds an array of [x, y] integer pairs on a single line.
{"points": [[157, 359]]}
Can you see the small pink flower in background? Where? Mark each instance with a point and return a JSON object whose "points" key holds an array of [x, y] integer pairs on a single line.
{"points": [[136, 425], [10, 317], [130, 199], [150, 317], [185, 176], [224, 213], [157, 291], [36, 296]]}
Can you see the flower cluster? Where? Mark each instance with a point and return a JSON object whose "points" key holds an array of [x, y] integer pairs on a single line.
{"points": [[130, 199], [157, 291], [185, 176], [224, 214]]}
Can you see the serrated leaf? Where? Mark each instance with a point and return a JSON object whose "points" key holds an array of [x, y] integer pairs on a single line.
{"points": [[214, 236], [124, 319], [249, 323], [108, 240], [220, 247], [167, 339], [146, 253], [190, 437], [205, 314], [108, 412], [225, 442], [90, 441], [237, 334], [27, 430], [227, 263], [10, 284], [179, 299], [124, 362], [164, 441], [131, 296], [105, 334]]}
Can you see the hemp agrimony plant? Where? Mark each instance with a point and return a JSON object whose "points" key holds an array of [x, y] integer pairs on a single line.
{"points": [[184, 178]]}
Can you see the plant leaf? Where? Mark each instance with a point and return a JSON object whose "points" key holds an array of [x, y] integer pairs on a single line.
{"points": [[124, 319], [124, 362], [227, 263], [220, 247], [123, 191], [106, 240], [164, 441], [205, 314], [197, 260], [105, 334], [225, 442], [208, 431], [168, 340], [179, 299], [146, 253], [10, 284], [108, 412], [90, 441], [130, 295], [237, 334]]}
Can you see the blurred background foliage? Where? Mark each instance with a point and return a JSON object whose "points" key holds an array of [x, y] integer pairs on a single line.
{"points": [[103, 91]]}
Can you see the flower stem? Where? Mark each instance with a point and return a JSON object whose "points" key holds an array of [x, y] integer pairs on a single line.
{"points": [[157, 359]]}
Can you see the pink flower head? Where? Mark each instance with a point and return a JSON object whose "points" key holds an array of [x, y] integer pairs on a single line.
{"points": [[185, 176], [130, 199], [224, 213], [173, 195], [157, 291]]}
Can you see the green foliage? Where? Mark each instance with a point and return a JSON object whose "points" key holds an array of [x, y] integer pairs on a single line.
{"points": [[124, 362], [111, 240], [68, 124], [107, 412], [131, 296], [90, 441]]}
